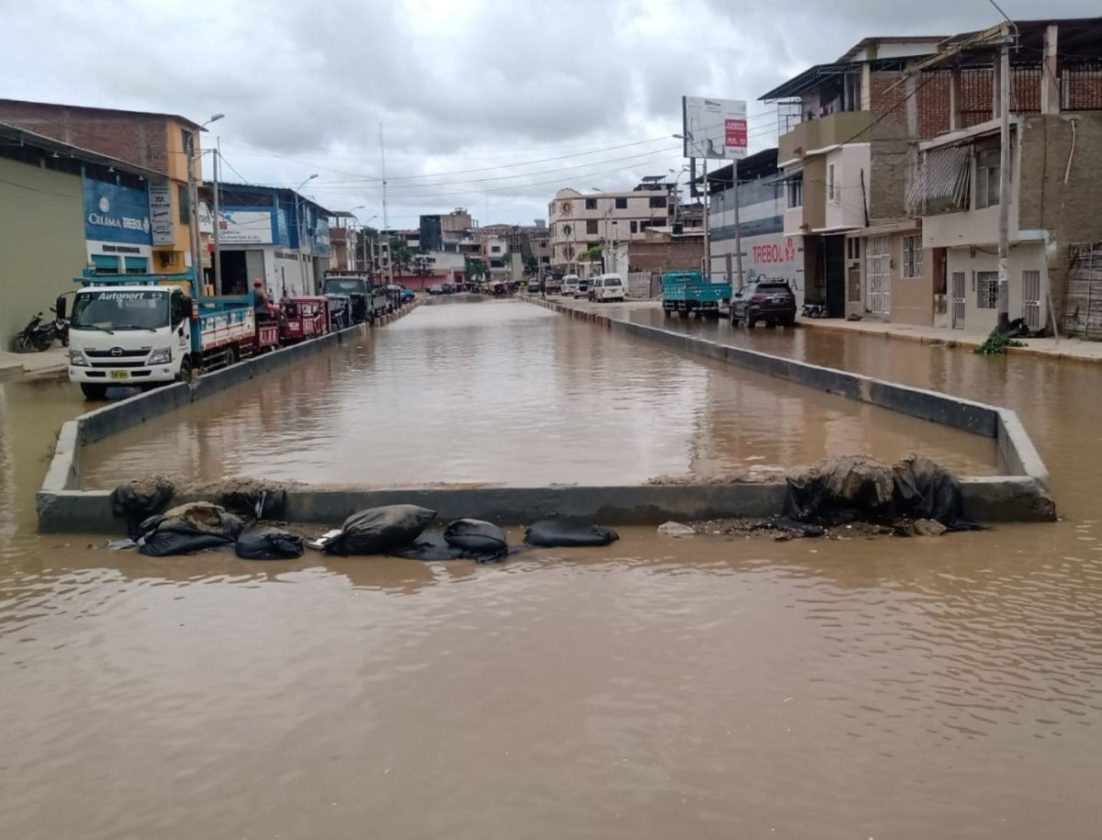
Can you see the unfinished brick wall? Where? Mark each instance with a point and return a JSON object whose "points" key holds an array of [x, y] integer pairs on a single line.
{"points": [[665, 256], [1067, 212], [136, 138]]}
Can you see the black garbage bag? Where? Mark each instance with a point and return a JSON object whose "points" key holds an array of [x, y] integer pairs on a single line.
{"points": [[247, 498], [381, 529], [263, 542], [136, 501], [926, 490], [840, 490], [188, 528], [430, 547], [568, 532], [476, 537]]}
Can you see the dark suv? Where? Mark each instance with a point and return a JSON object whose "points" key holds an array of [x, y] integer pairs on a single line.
{"points": [[771, 301]]}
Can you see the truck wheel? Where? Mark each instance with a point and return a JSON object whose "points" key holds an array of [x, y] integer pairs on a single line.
{"points": [[92, 391], [231, 355], [185, 371], [750, 322]]}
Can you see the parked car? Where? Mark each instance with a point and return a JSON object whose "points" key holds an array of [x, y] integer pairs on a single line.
{"points": [[436, 290], [771, 301], [449, 288], [553, 286], [570, 285], [608, 287], [583, 288]]}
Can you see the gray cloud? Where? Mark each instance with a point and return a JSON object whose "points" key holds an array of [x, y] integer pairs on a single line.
{"points": [[459, 86]]}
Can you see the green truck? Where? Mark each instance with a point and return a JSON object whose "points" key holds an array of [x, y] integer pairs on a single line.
{"points": [[687, 292]]}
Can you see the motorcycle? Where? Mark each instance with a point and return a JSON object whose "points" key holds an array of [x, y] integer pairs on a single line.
{"points": [[38, 336]]}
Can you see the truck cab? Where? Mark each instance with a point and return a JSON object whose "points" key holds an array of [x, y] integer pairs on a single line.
{"points": [[129, 335]]}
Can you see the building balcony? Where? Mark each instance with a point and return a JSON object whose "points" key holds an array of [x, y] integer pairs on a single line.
{"points": [[823, 133]]}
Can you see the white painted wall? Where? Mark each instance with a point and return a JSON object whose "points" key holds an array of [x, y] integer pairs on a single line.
{"points": [[847, 208], [1023, 257]]}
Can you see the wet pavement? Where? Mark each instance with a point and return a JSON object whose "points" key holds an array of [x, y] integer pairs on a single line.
{"points": [[503, 392], [712, 688]]}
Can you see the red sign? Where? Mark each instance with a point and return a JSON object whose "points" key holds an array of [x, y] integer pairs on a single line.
{"points": [[735, 134]]}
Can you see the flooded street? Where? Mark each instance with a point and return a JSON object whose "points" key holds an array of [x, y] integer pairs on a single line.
{"points": [[503, 392], [710, 687]]}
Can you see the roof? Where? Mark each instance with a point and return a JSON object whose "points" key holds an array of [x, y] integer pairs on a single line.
{"points": [[66, 107], [1079, 42], [22, 137], [876, 40], [261, 188], [810, 78], [756, 166]]}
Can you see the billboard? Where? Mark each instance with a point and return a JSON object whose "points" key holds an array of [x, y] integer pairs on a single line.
{"points": [[113, 213], [714, 128]]}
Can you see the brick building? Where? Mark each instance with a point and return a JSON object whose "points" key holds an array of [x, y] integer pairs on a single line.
{"points": [[151, 141]]}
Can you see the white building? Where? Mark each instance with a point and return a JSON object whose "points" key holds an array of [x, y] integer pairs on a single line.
{"points": [[580, 221]]}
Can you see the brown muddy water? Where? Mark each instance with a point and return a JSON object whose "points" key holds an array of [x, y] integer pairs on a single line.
{"points": [[503, 392], [707, 688]]}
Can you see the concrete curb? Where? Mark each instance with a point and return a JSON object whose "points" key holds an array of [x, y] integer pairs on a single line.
{"points": [[1026, 475], [62, 506]]}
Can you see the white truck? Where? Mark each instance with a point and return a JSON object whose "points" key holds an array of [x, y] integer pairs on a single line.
{"points": [[146, 330]]}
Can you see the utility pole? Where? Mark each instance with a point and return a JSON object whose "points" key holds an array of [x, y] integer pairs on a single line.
{"points": [[193, 214], [1003, 287], [217, 218], [707, 243], [738, 228]]}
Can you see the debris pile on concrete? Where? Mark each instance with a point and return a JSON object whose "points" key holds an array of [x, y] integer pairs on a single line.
{"points": [[856, 488]]}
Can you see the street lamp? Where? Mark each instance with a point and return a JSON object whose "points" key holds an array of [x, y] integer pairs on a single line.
{"points": [[298, 215], [215, 215]]}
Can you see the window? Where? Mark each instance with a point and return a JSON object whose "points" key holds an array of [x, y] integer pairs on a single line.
{"points": [[591, 227], [621, 204], [634, 226], [184, 204], [657, 201], [987, 177], [495, 249], [832, 192], [987, 289], [591, 204], [912, 256], [796, 192], [853, 248], [186, 138]]}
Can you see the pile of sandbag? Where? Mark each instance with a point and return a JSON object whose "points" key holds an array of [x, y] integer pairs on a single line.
{"points": [[201, 525]]}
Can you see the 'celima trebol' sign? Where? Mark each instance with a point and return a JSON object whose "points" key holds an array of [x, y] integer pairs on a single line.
{"points": [[714, 128]]}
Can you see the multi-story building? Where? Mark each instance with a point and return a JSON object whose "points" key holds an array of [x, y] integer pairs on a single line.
{"points": [[843, 152], [163, 144], [579, 222], [64, 209], [944, 267], [345, 246]]}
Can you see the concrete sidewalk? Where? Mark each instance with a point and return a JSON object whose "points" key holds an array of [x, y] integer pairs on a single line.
{"points": [[52, 362], [1051, 348]]}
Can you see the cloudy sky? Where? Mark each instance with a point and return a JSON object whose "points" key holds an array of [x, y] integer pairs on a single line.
{"points": [[490, 105]]}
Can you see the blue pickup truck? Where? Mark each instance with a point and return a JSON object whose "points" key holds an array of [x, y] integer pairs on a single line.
{"points": [[687, 292]]}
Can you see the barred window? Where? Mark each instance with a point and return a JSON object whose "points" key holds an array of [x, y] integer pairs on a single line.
{"points": [[912, 256], [987, 289]]}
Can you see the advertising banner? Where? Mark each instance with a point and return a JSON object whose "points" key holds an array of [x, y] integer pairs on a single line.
{"points": [[245, 227], [160, 213], [115, 214], [714, 128]]}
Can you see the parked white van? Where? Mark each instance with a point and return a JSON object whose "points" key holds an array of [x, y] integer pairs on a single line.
{"points": [[608, 287], [570, 284]]}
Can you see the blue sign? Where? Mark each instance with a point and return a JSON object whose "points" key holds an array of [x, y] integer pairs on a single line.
{"points": [[116, 214]]}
